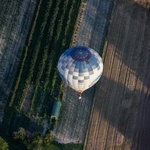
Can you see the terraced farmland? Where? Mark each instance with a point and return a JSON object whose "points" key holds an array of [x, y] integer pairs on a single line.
{"points": [[120, 112]]}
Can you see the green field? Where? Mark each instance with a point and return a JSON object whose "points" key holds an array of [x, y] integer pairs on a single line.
{"points": [[37, 82]]}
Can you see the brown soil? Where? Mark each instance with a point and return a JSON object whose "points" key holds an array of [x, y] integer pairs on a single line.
{"points": [[120, 117]]}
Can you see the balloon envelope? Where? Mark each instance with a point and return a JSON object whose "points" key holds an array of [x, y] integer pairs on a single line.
{"points": [[80, 67]]}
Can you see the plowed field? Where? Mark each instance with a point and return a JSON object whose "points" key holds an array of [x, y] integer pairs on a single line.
{"points": [[120, 118]]}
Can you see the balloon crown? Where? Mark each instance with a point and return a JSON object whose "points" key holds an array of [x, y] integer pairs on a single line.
{"points": [[80, 53]]}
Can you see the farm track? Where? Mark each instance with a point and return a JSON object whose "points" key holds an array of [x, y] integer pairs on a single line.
{"points": [[121, 104]]}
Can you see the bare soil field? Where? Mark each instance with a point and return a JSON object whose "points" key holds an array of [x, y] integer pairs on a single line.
{"points": [[75, 114], [120, 117], [15, 20]]}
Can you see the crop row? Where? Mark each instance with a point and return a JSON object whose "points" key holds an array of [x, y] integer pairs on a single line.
{"points": [[51, 33], [21, 69]]}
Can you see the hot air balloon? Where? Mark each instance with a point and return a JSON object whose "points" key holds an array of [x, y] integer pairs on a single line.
{"points": [[80, 67]]}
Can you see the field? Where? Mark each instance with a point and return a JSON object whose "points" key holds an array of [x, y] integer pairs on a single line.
{"points": [[75, 114], [37, 83], [111, 115], [15, 20], [120, 117]]}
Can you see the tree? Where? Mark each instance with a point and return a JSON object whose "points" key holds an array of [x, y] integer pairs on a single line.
{"points": [[34, 141], [40, 142], [3, 144], [21, 134]]}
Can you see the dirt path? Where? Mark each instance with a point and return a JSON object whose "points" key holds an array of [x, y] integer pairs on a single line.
{"points": [[119, 118]]}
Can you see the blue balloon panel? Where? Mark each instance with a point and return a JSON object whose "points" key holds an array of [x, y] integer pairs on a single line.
{"points": [[80, 67]]}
